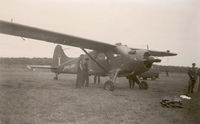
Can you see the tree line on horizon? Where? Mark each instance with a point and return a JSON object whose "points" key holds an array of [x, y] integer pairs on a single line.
{"points": [[26, 61]]}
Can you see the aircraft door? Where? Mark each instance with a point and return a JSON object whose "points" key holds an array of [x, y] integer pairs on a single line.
{"points": [[115, 60], [101, 59]]}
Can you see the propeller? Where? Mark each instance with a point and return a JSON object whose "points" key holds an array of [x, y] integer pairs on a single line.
{"points": [[149, 60]]}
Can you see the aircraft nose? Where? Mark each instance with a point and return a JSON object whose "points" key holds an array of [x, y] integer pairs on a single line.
{"points": [[150, 60]]}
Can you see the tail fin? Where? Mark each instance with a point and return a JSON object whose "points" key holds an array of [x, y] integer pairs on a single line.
{"points": [[59, 56]]}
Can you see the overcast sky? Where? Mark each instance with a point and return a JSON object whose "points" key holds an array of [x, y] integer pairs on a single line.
{"points": [[162, 24]]}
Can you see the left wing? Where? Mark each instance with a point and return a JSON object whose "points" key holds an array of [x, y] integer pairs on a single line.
{"points": [[54, 37], [158, 53]]}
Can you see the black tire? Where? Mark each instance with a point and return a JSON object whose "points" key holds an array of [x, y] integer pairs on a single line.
{"points": [[108, 85], [143, 85]]}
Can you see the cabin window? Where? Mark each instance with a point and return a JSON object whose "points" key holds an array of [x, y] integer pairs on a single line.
{"points": [[106, 57], [116, 55]]}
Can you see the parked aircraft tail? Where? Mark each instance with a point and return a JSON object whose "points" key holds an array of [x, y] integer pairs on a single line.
{"points": [[59, 57]]}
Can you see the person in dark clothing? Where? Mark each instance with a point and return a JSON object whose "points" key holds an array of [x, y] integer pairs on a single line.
{"points": [[167, 73], [85, 73], [198, 73], [97, 78], [192, 73], [132, 80], [131, 83], [79, 78]]}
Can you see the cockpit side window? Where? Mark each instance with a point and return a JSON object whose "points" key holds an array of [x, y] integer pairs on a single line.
{"points": [[116, 55]]}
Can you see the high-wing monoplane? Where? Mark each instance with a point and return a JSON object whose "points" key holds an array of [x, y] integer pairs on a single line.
{"points": [[112, 60]]}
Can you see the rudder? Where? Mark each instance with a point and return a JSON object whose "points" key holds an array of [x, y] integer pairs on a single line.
{"points": [[59, 57]]}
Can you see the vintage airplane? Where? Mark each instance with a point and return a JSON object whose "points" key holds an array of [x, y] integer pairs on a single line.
{"points": [[112, 60]]}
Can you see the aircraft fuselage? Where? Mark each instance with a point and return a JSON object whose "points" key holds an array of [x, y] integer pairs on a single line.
{"points": [[122, 58]]}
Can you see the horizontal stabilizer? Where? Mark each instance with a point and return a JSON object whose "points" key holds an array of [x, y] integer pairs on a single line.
{"points": [[40, 67]]}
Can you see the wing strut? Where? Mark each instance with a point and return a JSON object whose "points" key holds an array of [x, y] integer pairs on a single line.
{"points": [[94, 60]]}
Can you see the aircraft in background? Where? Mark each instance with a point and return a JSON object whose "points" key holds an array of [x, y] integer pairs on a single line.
{"points": [[112, 60]]}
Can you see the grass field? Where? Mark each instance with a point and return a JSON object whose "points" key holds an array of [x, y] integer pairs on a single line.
{"points": [[28, 97]]}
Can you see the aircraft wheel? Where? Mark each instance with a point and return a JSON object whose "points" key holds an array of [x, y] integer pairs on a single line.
{"points": [[143, 85], [109, 85]]}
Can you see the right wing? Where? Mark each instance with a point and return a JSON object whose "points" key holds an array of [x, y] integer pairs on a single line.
{"points": [[50, 36]]}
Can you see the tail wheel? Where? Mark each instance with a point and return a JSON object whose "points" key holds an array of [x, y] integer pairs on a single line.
{"points": [[55, 78], [143, 85], [109, 85]]}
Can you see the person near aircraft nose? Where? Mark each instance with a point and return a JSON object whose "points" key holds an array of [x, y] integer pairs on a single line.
{"points": [[79, 78], [199, 80], [192, 73], [97, 78], [85, 73], [131, 83]]}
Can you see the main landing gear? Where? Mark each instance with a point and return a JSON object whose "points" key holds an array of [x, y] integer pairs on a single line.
{"points": [[109, 85], [134, 79]]}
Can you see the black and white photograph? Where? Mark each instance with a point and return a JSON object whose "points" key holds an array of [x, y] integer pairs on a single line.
{"points": [[99, 61]]}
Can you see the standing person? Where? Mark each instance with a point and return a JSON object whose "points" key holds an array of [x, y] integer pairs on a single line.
{"points": [[85, 73], [131, 82], [79, 78], [97, 78], [192, 73], [167, 73], [199, 80]]}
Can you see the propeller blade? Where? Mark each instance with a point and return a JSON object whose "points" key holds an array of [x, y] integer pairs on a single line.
{"points": [[151, 59]]}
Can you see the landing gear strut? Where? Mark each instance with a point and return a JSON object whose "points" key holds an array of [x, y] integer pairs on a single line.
{"points": [[109, 85], [56, 77]]}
